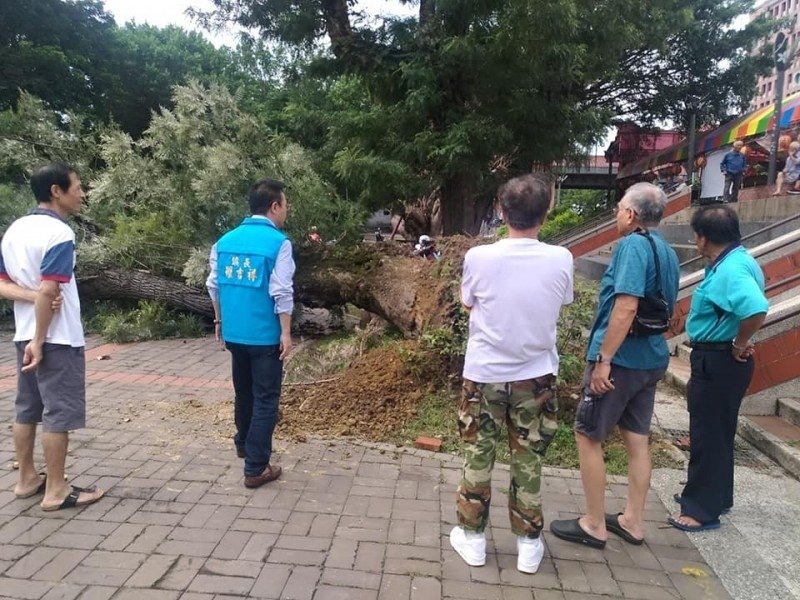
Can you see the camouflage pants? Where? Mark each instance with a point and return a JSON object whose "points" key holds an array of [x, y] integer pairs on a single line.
{"points": [[529, 410]]}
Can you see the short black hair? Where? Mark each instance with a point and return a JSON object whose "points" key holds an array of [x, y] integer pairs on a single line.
{"points": [[264, 194], [524, 201], [47, 176], [718, 224]]}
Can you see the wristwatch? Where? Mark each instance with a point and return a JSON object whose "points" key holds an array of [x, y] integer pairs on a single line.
{"points": [[599, 359]]}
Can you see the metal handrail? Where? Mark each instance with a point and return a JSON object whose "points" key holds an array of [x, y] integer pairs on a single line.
{"points": [[750, 235]]}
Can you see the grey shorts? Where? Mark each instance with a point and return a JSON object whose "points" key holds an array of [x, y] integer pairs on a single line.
{"points": [[55, 394], [629, 404]]}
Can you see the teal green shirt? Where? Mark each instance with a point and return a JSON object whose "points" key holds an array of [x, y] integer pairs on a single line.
{"points": [[733, 290], [632, 272]]}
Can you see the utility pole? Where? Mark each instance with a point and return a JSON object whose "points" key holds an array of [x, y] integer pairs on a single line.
{"points": [[690, 158], [781, 54]]}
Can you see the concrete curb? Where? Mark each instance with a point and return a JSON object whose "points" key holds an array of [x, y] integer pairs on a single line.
{"points": [[778, 450]]}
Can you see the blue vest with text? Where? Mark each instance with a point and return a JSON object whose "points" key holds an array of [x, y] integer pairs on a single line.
{"points": [[245, 259]]}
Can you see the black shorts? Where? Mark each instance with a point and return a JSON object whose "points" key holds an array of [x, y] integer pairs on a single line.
{"points": [[629, 404]]}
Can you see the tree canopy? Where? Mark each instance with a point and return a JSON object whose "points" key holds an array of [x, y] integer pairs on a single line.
{"points": [[432, 101], [71, 55]]}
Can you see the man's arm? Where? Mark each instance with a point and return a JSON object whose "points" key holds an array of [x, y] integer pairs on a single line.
{"points": [[11, 291], [742, 347], [43, 308], [286, 334], [619, 324], [213, 292], [281, 289]]}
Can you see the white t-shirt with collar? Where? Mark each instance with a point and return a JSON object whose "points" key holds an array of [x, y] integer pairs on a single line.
{"points": [[516, 288], [37, 247]]}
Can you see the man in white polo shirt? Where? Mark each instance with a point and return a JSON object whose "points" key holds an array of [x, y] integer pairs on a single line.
{"points": [[38, 253], [514, 290]]}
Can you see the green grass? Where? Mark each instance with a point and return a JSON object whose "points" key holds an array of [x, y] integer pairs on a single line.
{"points": [[435, 417]]}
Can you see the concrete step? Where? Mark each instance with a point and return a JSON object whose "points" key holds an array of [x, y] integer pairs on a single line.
{"points": [[775, 437], [678, 373], [683, 351], [789, 409]]}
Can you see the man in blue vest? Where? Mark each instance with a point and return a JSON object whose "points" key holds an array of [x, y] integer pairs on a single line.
{"points": [[733, 165], [250, 285]]}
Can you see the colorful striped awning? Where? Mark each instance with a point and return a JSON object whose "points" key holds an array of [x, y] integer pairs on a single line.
{"points": [[754, 123]]}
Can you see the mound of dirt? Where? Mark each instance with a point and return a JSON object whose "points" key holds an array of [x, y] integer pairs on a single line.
{"points": [[371, 399]]}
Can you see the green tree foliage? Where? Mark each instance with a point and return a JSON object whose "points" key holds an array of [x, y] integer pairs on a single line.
{"points": [[32, 135], [55, 50], [71, 55], [432, 101], [148, 62], [162, 200], [707, 66]]}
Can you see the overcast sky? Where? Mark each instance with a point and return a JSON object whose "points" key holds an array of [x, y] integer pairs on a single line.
{"points": [[172, 12]]}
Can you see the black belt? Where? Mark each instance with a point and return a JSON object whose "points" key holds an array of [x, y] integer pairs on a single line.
{"points": [[725, 346]]}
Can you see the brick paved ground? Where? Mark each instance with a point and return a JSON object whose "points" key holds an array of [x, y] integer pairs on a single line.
{"points": [[345, 521]]}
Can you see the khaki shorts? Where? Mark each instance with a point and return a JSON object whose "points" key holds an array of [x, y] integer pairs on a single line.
{"points": [[55, 394]]}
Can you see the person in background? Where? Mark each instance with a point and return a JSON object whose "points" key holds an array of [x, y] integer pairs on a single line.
{"points": [[623, 370], [733, 165], [790, 173], [313, 236], [727, 309], [513, 290], [250, 285]]}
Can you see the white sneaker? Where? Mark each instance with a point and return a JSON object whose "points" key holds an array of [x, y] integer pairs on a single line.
{"points": [[470, 545], [529, 554]]}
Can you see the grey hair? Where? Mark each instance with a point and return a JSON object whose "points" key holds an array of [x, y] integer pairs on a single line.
{"points": [[648, 201]]}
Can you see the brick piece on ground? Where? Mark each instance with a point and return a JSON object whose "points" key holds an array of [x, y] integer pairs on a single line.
{"points": [[428, 443]]}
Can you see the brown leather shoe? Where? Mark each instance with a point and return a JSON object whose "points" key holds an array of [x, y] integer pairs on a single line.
{"points": [[270, 474]]}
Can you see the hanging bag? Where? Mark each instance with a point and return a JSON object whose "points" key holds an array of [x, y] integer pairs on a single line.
{"points": [[653, 313]]}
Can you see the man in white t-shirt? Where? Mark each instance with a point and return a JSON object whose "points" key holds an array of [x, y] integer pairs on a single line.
{"points": [[38, 253], [514, 290]]}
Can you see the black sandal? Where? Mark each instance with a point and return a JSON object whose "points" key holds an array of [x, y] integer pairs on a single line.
{"points": [[71, 501]]}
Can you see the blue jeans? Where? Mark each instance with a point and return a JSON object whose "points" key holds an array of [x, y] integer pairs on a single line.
{"points": [[257, 373]]}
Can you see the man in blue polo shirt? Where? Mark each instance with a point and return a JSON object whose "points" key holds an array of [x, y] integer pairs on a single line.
{"points": [[623, 370], [733, 165], [250, 285], [728, 308]]}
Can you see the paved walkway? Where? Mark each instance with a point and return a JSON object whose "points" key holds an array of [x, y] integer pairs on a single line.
{"points": [[345, 521]]}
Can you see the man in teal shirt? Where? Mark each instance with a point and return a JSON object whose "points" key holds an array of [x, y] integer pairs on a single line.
{"points": [[727, 309], [623, 370]]}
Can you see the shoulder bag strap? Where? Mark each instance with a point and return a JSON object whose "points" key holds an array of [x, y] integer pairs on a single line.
{"points": [[647, 235]]}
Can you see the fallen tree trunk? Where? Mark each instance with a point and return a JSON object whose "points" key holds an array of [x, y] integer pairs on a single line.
{"points": [[409, 292], [111, 283]]}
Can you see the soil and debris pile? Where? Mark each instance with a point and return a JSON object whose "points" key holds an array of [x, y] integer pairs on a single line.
{"points": [[371, 399]]}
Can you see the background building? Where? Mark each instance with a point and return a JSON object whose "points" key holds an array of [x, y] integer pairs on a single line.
{"points": [[765, 87]]}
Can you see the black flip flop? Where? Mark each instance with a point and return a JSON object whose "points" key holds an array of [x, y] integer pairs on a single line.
{"points": [[71, 501], [571, 531], [612, 524]]}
